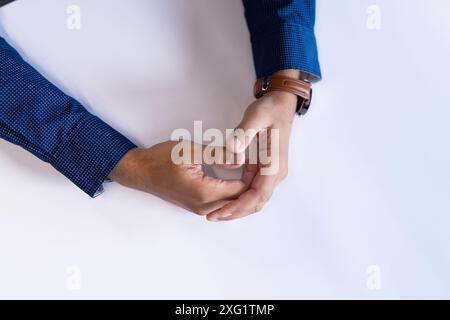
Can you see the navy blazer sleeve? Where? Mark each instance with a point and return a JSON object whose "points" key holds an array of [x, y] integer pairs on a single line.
{"points": [[37, 116], [282, 35]]}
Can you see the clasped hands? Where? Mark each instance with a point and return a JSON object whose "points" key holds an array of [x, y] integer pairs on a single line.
{"points": [[153, 171]]}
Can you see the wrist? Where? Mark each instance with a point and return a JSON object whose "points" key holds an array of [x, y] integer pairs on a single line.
{"points": [[126, 167], [287, 89], [291, 73], [284, 102]]}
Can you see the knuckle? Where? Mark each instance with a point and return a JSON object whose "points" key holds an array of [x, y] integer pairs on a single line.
{"points": [[263, 198], [258, 208]]}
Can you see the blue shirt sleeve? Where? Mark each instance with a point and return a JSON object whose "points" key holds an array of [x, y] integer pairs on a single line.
{"points": [[282, 35], [56, 128]]}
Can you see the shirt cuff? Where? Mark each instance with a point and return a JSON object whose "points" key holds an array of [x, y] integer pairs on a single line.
{"points": [[91, 154], [288, 46], [5, 2]]}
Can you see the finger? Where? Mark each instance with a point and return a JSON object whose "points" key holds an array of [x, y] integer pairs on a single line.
{"points": [[213, 206], [230, 209], [263, 185], [189, 153], [248, 173], [219, 189], [221, 157], [246, 131], [249, 202]]}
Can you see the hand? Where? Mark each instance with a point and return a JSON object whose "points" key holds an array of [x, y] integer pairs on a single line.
{"points": [[153, 171], [275, 110]]}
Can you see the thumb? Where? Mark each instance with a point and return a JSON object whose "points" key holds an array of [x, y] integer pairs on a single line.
{"points": [[252, 123]]}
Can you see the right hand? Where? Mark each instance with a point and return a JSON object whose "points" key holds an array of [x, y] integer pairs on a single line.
{"points": [[153, 171]]}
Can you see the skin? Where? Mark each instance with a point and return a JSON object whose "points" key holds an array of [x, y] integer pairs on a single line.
{"points": [[275, 110], [152, 170]]}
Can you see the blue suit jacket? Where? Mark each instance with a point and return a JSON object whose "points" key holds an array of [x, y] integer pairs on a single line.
{"points": [[39, 117]]}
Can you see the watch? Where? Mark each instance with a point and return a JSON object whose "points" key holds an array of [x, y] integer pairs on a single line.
{"points": [[302, 89]]}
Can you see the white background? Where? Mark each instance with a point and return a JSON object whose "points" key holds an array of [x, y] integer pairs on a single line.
{"points": [[369, 180]]}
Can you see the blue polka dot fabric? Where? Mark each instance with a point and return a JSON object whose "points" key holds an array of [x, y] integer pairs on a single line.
{"points": [[39, 117], [282, 35]]}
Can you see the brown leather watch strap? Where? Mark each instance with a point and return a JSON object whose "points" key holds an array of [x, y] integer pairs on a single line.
{"points": [[298, 87], [281, 83]]}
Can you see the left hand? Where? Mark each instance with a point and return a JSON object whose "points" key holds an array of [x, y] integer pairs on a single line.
{"points": [[275, 110]]}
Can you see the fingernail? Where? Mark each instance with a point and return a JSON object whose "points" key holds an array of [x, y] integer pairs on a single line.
{"points": [[226, 215]]}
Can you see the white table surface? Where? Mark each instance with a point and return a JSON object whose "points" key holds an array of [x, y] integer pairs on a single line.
{"points": [[369, 180]]}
